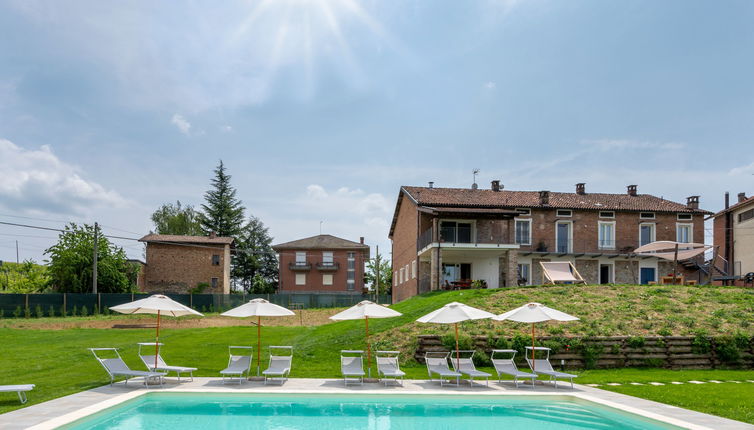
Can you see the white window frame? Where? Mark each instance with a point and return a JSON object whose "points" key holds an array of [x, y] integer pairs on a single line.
{"points": [[515, 235], [570, 213], [611, 241], [570, 236], [413, 269], [686, 217], [301, 276], [690, 226], [300, 258], [603, 214], [463, 221], [400, 276], [325, 255], [654, 231], [528, 265], [395, 278], [325, 277], [651, 215], [523, 211]]}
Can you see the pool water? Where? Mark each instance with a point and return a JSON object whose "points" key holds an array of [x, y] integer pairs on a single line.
{"points": [[187, 411]]}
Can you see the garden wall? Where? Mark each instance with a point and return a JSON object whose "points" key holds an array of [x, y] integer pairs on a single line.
{"points": [[673, 352]]}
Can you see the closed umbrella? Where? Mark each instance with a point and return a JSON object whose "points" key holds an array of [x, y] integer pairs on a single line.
{"points": [[363, 311], [534, 313], [258, 308], [453, 313], [155, 304]]}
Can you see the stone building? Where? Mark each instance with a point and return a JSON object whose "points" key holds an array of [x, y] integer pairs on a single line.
{"points": [[322, 264], [180, 264], [444, 237]]}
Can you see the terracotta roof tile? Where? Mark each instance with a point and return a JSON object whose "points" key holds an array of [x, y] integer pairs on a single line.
{"points": [[187, 239], [735, 206], [323, 241]]}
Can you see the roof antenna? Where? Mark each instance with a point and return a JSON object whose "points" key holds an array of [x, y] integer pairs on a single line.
{"points": [[320, 228], [474, 186]]}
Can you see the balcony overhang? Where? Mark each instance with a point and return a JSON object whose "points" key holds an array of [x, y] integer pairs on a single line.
{"points": [[469, 246], [298, 267], [327, 267]]}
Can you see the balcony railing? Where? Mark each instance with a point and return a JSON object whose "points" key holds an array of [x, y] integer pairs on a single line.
{"points": [[427, 238], [327, 266], [581, 246], [300, 267]]}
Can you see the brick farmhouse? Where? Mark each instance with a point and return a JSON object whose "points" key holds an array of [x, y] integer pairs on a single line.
{"points": [[322, 264], [733, 230], [178, 264], [499, 237]]}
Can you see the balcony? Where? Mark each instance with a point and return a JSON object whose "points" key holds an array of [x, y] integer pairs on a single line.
{"points": [[460, 239], [580, 247], [327, 266], [300, 267]]}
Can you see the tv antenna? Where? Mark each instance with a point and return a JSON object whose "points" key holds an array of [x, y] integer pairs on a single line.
{"points": [[475, 172]]}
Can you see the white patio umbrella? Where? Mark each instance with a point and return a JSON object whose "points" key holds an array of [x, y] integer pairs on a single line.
{"points": [[363, 311], [155, 304], [534, 313], [258, 308], [453, 313]]}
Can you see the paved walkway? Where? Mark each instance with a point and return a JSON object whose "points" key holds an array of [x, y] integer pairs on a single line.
{"points": [[658, 384], [49, 415]]}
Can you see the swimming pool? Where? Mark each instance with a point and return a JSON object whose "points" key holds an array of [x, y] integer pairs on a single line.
{"points": [[187, 411]]}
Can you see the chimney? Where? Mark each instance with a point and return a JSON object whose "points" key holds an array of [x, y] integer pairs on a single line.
{"points": [[741, 197], [474, 186], [692, 202], [496, 185], [727, 200], [544, 198], [632, 190], [581, 188], [361, 240], [212, 235], [431, 184]]}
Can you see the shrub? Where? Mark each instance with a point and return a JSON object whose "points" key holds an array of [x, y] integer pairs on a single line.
{"points": [[482, 359], [27, 312], [664, 332], [2, 313], [654, 362], [105, 311], [520, 343], [636, 342], [84, 311], [95, 310], [74, 311], [727, 349], [39, 312], [200, 287], [701, 343], [63, 311], [51, 311], [464, 342]]}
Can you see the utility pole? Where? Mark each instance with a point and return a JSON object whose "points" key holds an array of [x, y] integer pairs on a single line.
{"points": [[17, 260], [377, 277], [94, 262]]}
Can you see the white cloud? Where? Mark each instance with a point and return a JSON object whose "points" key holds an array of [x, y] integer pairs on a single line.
{"points": [[226, 129], [38, 181], [609, 144], [742, 170], [181, 123], [490, 85]]}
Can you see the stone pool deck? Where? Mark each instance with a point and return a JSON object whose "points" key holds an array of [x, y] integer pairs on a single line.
{"points": [[54, 413]]}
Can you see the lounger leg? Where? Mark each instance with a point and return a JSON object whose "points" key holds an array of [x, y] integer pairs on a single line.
{"points": [[22, 397]]}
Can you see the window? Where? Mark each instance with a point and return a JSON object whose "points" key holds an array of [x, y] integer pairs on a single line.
{"points": [[685, 217], [605, 214], [400, 275], [647, 215], [684, 233], [646, 233], [300, 258], [563, 212], [213, 282], [523, 274], [606, 234], [327, 258], [407, 273], [351, 272], [523, 231], [215, 260], [413, 269], [524, 211], [746, 215], [300, 278], [395, 279], [455, 232], [327, 279], [563, 230]]}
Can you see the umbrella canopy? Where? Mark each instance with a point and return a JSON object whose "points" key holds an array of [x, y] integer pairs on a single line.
{"points": [[666, 250], [258, 308], [533, 313], [363, 311], [156, 304], [453, 313]]}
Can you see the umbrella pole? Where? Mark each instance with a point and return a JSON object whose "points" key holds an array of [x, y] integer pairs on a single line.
{"points": [[458, 353], [532, 346], [259, 341], [157, 342], [369, 350]]}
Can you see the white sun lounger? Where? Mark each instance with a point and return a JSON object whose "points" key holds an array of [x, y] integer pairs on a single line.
{"points": [[238, 364], [117, 367], [387, 366], [437, 364], [19, 389], [352, 366], [280, 364], [543, 366], [561, 272], [148, 360], [507, 366], [465, 365]]}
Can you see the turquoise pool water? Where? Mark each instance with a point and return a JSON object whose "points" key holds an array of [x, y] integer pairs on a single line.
{"points": [[188, 411]]}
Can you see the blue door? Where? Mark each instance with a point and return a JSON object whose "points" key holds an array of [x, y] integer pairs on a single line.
{"points": [[646, 275]]}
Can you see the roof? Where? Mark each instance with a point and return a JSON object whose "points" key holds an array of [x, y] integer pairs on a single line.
{"points": [[477, 211], [738, 205], [322, 241], [175, 238]]}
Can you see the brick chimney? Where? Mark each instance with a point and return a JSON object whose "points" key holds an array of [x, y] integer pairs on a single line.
{"points": [[581, 188], [632, 190], [361, 240], [741, 197], [212, 235], [496, 185], [544, 198], [431, 184], [692, 202]]}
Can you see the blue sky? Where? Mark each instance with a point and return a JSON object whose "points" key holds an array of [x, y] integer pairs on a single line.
{"points": [[321, 109]]}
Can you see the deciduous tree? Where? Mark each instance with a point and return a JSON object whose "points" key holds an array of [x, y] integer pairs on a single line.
{"points": [[177, 219]]}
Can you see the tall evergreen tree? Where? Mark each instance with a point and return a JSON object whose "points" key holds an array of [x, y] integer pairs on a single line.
{"points": [[256, 268], [222, 213]]}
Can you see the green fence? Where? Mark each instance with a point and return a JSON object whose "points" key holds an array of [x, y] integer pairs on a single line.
{"points": [[39, 305]]}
